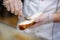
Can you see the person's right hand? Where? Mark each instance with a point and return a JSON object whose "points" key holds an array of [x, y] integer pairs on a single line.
{"points": [[15, 6]]}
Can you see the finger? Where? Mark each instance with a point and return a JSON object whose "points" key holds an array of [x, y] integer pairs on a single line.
{"points": [[16, 12], [7, 5], [19, 4], [12, 8], [15, 8], [20, 13]]}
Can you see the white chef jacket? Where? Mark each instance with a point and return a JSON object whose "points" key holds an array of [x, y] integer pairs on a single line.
{"points": [[47, 30]]}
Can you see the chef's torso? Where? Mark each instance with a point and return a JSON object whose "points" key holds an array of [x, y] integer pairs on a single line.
{"points": [[47, 6]]}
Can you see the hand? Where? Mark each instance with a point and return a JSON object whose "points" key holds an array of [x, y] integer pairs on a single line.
{"points": [[43, 19], [15, 6]]}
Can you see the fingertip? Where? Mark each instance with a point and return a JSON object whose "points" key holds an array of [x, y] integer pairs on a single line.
{"points": [[16, 12], [18, 16], [8, 9]]}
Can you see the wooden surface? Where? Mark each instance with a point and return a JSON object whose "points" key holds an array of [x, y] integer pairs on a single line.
{"points": [[9, 20], [9, 33]]}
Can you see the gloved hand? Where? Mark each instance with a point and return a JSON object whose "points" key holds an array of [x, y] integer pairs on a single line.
{"points": [[43, 19], [15, 6]]}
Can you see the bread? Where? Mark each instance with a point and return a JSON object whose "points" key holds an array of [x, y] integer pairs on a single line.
{"points": [[26, 24]]}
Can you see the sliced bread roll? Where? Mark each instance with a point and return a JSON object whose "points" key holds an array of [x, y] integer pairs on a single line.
{"points": [[26, 24]]}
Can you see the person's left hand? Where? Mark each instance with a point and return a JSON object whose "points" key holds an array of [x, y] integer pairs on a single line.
{"points": [[44, 18]]}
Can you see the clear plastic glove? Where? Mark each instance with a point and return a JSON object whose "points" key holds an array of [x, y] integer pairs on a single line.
{"points": [[43, 19], [15, 6]]}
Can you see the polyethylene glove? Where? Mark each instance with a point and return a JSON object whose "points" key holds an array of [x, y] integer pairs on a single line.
{"points": [[43, 19], [15, 6]]}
